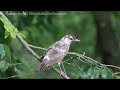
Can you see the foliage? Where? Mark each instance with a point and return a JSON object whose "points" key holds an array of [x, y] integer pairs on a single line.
{"points": [[5, 57], [4, 65], [9, 29], [96, 73], [43, 31], [2, 50]]}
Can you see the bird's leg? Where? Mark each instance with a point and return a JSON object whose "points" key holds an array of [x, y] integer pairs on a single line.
{"points": [[63, 68], [60, 68]]}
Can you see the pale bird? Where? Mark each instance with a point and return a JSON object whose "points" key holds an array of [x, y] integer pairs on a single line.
{"points": [[56, 52]]}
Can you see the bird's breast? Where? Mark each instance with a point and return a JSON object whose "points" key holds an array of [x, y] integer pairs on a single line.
{"points": [[63, 51]]}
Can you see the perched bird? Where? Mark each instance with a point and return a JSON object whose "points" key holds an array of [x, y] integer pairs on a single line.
{"points": [[56, 52]]}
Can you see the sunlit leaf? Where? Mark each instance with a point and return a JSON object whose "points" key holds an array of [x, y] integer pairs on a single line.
{"points": [[13, 32], [9, 28], [6, 34]]}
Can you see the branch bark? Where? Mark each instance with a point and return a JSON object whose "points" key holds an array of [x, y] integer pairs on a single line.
{"points": [[26, 45]]}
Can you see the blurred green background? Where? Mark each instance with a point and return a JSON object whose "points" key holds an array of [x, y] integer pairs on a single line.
{"points": [[96, 30]]}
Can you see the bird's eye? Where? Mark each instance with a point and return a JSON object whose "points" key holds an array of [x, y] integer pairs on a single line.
{"points": [[70, 38]]}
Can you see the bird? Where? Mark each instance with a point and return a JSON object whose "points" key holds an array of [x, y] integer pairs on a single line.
{"points": [[56, 52]]}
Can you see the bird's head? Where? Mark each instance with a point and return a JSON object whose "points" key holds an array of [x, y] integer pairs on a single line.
{"points": [[68, 39]]}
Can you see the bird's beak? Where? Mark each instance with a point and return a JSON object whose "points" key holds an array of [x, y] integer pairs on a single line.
{"points": [[77, 40]]}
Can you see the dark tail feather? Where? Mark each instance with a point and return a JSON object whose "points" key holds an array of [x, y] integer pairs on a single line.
{"points": [[40, 68]]}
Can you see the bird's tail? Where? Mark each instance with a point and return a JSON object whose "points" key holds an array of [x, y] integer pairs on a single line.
{"points": [[40, 68]]}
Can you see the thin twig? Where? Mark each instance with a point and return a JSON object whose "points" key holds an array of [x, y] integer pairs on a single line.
{"points": [[112, 66], [26, 45], [17, 76], [37, 47], [61, 73], [22, 63], [76, 64], [85, 58]]}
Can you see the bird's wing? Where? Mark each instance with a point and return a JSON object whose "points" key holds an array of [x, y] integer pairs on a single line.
{"points": [[54, 44], [45, 53], [55, 54]]}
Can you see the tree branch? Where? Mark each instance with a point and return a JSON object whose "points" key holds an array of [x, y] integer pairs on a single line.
{"points": [[88, 59], [37, 47], [26, 45]]}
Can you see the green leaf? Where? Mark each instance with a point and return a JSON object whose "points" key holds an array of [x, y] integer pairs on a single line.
{"points": [[9, 29], [6, 33], [104, 73], [118, 77], [5, 51], [4, 65], [109, 74], [8, 53], [83, 75], [89, 72], [2, 50], [117, 73], [13, 34], [96, 72]]}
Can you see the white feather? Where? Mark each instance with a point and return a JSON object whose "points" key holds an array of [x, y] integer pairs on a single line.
{"points": [[67, 41], [47, 58], [62, 51]]}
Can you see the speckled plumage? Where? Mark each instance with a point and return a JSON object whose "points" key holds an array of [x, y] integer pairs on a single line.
{"points": [[56, 52]]}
